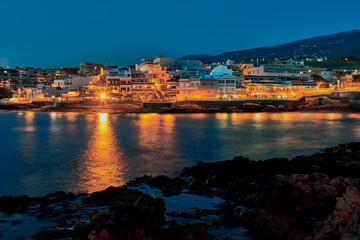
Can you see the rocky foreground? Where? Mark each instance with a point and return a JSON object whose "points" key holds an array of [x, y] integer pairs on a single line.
{"points": [[307, 197]]}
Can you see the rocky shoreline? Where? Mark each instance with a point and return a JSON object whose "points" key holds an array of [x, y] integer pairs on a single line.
{"points": [[307, 197], [313, 104]]}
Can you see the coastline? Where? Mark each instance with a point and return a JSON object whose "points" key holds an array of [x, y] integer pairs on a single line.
{"points": [[177, 108], [307, 197]]}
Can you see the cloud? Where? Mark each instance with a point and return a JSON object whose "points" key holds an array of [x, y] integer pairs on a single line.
{"points": [[4, 62]]}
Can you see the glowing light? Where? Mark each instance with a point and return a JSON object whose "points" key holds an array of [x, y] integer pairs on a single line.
{"points": [[103, 117], [103, 96]]}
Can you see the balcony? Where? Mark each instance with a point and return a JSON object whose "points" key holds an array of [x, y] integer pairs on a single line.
{"points": [[142, 89]]}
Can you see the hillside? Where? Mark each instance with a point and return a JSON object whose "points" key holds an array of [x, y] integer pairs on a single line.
{"points": [[333, 46]]}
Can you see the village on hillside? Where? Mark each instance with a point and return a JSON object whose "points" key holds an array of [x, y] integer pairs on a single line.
{"points": [[170, 80]]}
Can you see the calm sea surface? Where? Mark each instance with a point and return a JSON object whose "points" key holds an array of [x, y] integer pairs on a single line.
{"points": [[47, 152]]}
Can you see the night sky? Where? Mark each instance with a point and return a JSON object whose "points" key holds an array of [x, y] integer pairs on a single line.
{"points": [[65, 33]]}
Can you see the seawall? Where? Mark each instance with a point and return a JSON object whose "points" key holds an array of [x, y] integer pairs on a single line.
{"points": [[289, 104]]}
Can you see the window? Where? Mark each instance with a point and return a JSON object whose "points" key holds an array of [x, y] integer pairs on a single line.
{"points": [[230, 82]]}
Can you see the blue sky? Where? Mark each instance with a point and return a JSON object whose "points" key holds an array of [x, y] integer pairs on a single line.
{"points": [[65, 33]]}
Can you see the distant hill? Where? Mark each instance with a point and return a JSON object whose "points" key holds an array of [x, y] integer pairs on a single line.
{"points": [[196, 57], [333, 46]]}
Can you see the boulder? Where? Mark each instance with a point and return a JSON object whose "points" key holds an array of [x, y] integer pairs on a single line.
{"points": [[251, 107], [270, 108], [344, 223], [326, 100], [233, 109], [281, 108]]}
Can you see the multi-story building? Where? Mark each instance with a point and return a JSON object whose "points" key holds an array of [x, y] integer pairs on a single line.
{"points": [[118, 78], [91, 69], [197, 89], [219, 83], [280, 72], [4, 83], [137, 84]]}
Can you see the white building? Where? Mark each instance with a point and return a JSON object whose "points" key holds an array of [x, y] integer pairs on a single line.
{"points": [[62, 83], [221, 71]]}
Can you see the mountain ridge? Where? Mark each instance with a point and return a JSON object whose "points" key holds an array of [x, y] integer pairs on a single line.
{"points": [[333, 46]]}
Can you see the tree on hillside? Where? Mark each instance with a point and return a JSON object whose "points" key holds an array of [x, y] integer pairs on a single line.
{"points": [[356, 78], [5, 93], [317, 78]]}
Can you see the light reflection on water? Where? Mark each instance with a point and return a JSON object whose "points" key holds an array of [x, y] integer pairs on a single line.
{"points": [[47, 152], [29, 122], [102, 164], [156, 142]]}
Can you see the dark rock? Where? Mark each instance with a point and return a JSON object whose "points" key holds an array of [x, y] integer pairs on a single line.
{"points": [[113, 194], [187, 231], [99, 218], [14, 222], [56, 194], [281, 108], [168, 186], [251, 107], [104, 235], [132, 215], [45, 201], [233, 109], [179, 214], [8, 204], [49, 234], [344, 222], [81, 230], [271, 108]]}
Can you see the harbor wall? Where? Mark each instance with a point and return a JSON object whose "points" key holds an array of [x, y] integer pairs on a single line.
{"points": [[289, 104]]}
